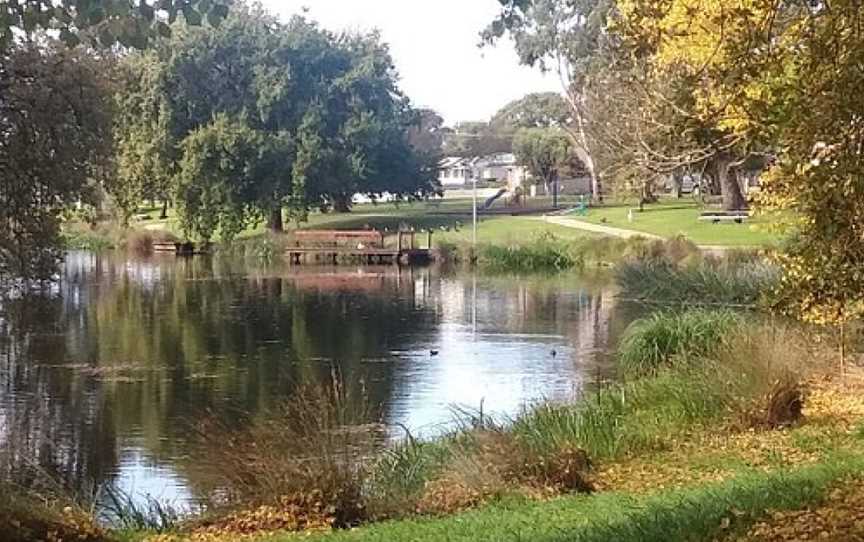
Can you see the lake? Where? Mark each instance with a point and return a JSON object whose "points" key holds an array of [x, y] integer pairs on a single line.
{"points": [[103, 380]]}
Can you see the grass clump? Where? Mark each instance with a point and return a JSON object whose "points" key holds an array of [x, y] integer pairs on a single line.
{"points": [[653, 342], [735, 281], [546, 255], [130, 513]]}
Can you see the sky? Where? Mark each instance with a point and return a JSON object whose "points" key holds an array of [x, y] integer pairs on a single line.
{"points": [[434, 46]]}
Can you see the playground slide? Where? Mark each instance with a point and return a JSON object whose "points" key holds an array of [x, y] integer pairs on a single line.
{"points": [[488, 203]]}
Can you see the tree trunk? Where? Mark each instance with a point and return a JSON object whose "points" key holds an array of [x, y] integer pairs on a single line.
{"points": [[164, 214], [555, 190], [677, 183], [581, 141], [341, 203], [274, 221], [733, 198]]}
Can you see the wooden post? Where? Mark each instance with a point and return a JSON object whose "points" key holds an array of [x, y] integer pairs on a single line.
{"points": [[399, 242], [429, 239]]}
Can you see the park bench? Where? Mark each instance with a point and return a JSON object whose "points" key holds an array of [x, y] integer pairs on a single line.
{"points": [[339, 238], [725, 216]]}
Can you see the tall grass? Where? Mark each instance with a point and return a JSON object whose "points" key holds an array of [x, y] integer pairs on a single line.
{"points": [[308, 459], [707, 282], [128, 512], [541, 256], [736, 383], [653, 342]]}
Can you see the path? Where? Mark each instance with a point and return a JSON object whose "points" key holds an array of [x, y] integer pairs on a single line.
{"points": [[626, 234], [596, 228]]}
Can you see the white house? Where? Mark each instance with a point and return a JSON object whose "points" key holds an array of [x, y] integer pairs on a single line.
{"points": [[455, 171], [501, 167]]}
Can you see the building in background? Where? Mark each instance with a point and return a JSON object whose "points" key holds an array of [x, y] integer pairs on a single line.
{"points": [[493, 168]]}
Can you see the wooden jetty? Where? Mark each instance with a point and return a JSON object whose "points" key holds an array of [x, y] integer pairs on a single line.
{"points": [[187, 248], [369, 247]]}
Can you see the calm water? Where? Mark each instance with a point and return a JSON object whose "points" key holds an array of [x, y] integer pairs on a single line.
{"points": [[102, 381]]}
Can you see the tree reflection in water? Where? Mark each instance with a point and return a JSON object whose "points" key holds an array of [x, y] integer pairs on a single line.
{"points": [[103, 379]]}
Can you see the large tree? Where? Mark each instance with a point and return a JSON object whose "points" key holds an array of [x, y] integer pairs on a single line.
{"points": [[323, 110], [599, 47], [55, 141]]}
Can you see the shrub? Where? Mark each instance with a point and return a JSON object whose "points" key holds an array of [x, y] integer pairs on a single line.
{"points": [[655, 341]]}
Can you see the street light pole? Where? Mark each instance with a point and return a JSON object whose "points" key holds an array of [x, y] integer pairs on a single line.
{"points": [[474, 232]]}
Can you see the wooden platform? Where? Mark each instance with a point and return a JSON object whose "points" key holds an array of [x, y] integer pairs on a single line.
{"points": [[368, 247], [182, 249]]}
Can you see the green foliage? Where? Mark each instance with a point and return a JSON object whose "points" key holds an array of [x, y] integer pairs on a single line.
{"points": [[543, 151], [471, 139], [105, 22], [55, 117], [225, 166], [145, 151], [663, 338]]}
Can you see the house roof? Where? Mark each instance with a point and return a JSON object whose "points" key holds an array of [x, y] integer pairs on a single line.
{"points": [[502, 159], [453, 161]]}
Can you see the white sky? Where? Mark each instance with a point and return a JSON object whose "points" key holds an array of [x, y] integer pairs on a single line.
{"points": [[434, 46]]}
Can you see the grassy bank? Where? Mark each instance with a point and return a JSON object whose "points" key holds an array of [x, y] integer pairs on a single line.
{"points": [[703, 440], [700, 513]]}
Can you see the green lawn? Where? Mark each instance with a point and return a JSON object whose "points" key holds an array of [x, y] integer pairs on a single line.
{"points": [[673, 217], [450, 221]]}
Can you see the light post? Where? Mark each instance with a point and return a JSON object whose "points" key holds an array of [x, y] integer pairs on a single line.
{"points": [[474, 231]]}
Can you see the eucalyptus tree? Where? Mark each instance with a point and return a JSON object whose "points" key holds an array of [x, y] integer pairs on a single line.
{"points": [[635, 121], [565, 36]]}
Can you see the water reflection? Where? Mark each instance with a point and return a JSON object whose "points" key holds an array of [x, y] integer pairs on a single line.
{"points": [[103, 381]]}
